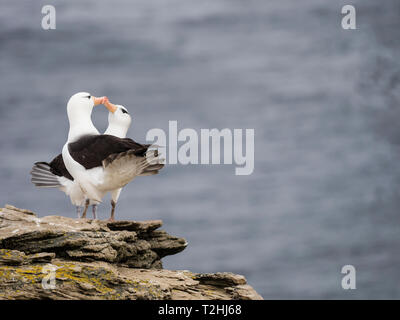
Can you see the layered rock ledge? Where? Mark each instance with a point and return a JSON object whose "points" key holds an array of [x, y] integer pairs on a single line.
{"points": [[55, 257]]}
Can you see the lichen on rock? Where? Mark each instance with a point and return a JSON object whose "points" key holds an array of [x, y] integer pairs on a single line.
{"points": [[92, 259]]}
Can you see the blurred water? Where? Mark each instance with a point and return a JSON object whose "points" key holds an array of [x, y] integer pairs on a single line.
{"points": [[323, 102]]}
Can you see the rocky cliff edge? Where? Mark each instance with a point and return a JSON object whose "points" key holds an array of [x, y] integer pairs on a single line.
{"points": [[55, 257]]}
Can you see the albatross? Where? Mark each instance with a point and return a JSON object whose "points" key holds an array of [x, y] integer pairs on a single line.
{"points": [[98, 164], [55, 175]]}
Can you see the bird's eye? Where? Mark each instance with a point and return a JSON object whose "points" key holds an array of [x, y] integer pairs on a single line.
{"points": [[88, 97], [124, 111]]}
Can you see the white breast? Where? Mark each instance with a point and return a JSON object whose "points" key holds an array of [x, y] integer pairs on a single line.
{"points": [[88, 180]]}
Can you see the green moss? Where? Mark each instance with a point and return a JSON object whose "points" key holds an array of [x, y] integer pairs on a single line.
{"points": [[104, 283]]}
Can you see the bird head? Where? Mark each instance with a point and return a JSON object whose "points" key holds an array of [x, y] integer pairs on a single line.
{"points": [[119, 119], [82, 103]]}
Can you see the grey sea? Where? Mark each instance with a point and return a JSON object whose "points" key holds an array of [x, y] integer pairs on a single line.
{"points": [[323, 101]]}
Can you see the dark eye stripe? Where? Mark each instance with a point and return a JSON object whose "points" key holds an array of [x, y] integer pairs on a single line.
{"points": [[124, 111]]}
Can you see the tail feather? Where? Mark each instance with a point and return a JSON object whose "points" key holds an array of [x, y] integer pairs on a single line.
{"points": [[39, 171], [50, 182], [46, 185], [43, 177], [42, 165]]}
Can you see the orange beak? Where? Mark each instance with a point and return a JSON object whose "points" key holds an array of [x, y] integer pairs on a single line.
{"points": [[110, 106], [97, 100]]}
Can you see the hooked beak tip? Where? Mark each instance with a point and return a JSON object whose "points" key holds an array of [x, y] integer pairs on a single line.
{"points": [[111, 107], [97, 100]]}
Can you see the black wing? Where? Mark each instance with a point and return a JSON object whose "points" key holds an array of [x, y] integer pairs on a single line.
{"points": [[91, 150], [58, 168]]}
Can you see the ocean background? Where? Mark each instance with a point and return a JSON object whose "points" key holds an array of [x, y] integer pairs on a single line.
{"points": [[323, 101]]}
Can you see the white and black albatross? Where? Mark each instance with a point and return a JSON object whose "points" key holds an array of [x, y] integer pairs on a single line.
{"points": [[55, 175], [102, 163]]}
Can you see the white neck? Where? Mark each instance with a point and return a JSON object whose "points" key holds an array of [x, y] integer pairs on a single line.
{"points": [[116, 131], [80, 124]]}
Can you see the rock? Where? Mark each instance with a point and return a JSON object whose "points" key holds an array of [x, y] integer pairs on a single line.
{"points": [[131, 243], [11, 257], [99, 260], [15, 258], [224, 279], [140, 227]]}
